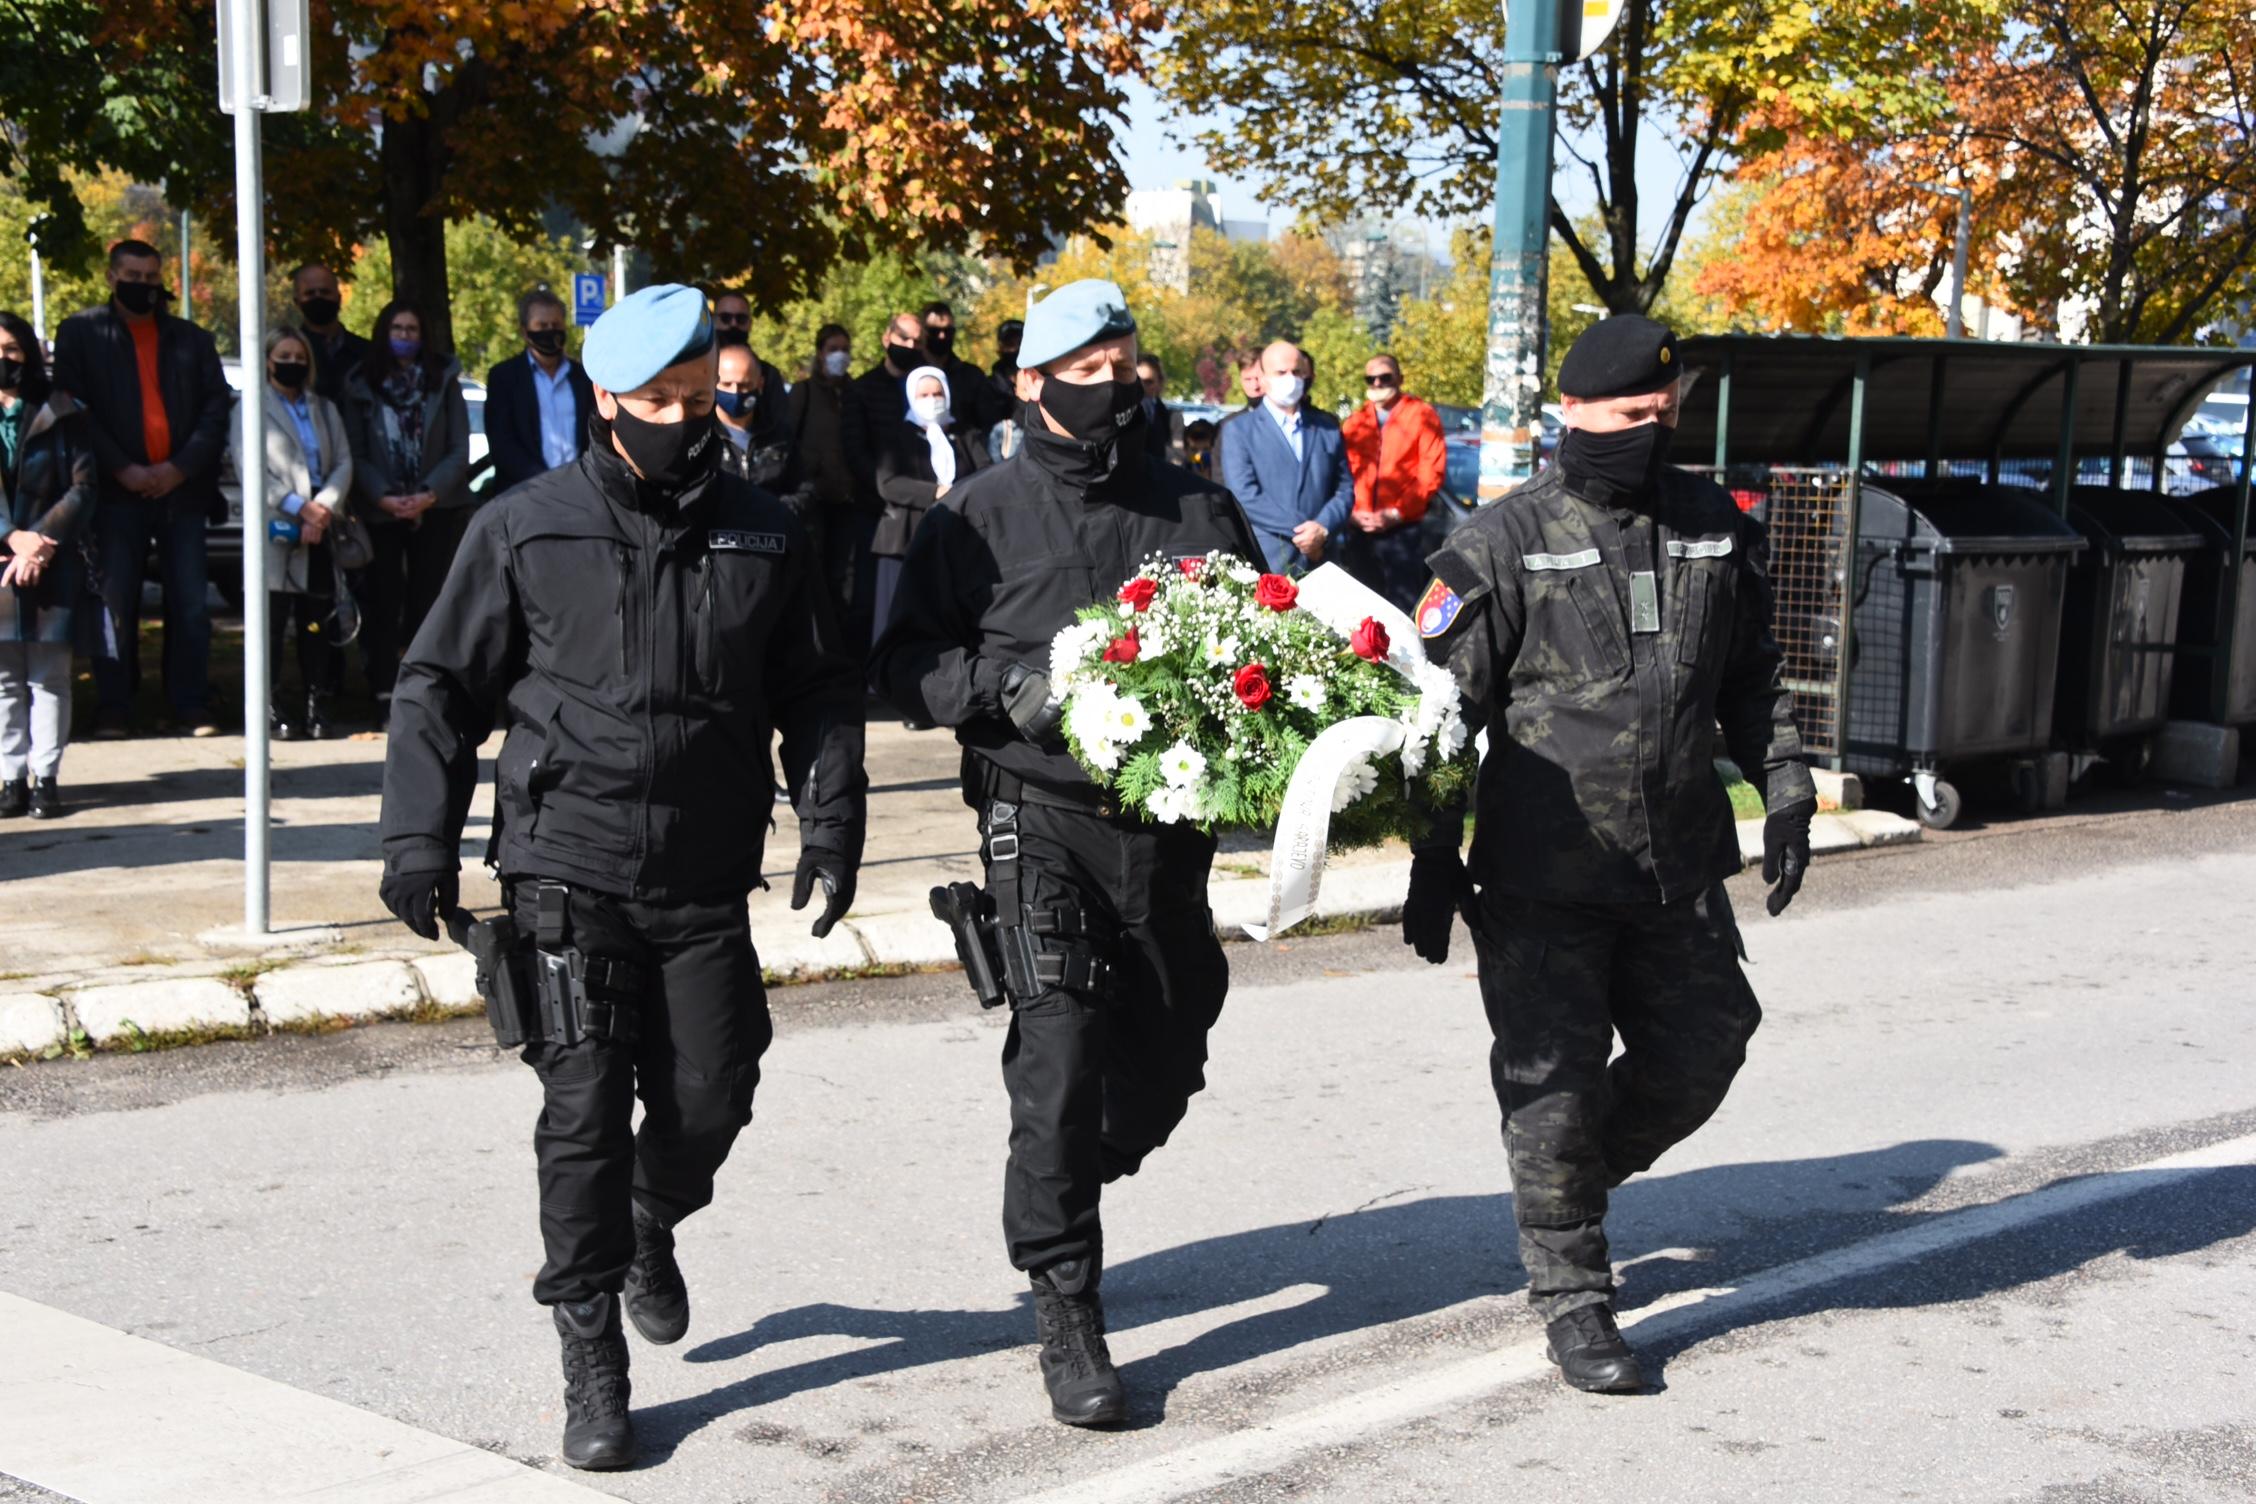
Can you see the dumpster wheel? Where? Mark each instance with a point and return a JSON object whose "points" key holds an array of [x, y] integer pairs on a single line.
{"points": [[1937, 802]]}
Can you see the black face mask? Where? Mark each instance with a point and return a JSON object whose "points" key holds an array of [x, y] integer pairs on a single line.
{"points": [[547, 341], [902, 358], [1098, 413], [320, 312], [724, 336], [139, 297], [11, 374], [671, 456], [290, 375], [940, 343], [1623, 466]]}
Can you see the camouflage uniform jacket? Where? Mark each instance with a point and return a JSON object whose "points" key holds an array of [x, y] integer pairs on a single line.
{"points": [[1600, 782]]}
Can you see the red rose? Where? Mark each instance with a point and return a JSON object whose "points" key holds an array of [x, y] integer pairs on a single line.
{"points": [[1139, 593], [1190, 567], [1123, 649], [1276, 592], [1252, 683], [1370, 640]]}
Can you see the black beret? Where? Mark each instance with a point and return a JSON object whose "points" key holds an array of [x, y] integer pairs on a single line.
{"points": [[1624, 356]]}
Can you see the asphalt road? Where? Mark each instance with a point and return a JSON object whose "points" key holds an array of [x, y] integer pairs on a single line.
{"points": [[1977, 1223]]}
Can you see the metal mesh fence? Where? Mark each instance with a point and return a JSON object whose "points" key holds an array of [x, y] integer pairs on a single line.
{"points": [[1807, 513]]}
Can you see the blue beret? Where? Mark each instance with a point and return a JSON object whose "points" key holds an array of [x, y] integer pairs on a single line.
{"points": [[1077, 314], [645, 332]]}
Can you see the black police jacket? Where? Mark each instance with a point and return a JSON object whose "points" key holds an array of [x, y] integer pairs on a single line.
{"points": [[647, 652], [1600, 780], [1000, 566]]}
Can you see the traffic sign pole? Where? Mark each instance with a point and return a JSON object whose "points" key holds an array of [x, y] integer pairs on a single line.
{"points": [[250, 262], [1512, 384]]}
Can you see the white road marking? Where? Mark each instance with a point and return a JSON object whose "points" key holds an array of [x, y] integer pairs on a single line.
{"points": [[1245, 1454], [109, 1418]]}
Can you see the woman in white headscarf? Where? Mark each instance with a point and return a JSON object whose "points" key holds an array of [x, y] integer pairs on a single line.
{"points": [[921, 458]]}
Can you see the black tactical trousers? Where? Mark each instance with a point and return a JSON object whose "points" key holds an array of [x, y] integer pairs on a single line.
{"points": [[704, 1025], [1098, 1081], [1559, 981]]}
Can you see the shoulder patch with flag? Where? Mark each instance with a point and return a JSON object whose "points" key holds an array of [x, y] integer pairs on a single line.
{"points": [[1437, 609]]}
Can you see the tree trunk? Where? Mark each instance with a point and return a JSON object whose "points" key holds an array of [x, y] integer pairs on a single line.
{"points": [[413, 157]]}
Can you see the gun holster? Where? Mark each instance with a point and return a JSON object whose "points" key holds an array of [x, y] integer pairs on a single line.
{"points": [[505, 974], [971, 919], [1034, 948], [576, 995]]}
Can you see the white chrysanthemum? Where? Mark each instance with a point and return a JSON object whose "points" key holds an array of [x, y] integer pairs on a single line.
{"points": [[1070, 654], [1168, 804], [1102, 755], [1450, 739], [1356, 780], [1151, 639], [1221, 649], [1182, 764], [1413, 755], [1306, 691], [1089, 713], [1244, 574], [1126, 720]]}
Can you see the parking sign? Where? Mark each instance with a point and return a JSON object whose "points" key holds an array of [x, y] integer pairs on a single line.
{"points": [[587, 297]]}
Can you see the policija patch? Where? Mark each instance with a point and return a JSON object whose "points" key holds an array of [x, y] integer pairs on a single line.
{"points": [[724, 540], [1437, 609]]}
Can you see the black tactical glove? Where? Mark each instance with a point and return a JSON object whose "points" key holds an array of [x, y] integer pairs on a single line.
{"points": [[418, 899], [1439, 888], [1026, 700], [1786, 852], [837, 877]]}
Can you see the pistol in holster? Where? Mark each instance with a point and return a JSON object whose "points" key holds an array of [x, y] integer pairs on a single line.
{"points": [[505, 974], [970, 917]]}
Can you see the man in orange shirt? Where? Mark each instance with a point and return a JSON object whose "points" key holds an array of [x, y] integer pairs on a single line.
{"points": [[1396, 451], [157, 401]]}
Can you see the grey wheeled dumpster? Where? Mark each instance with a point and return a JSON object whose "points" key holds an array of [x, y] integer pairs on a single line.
{"points": [[2203, 616], [2120, 634], [1959, 590]]}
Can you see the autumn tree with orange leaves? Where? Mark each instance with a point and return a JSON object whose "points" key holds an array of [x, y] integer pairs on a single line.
{"points": [[754, 143], [2110, 148]]}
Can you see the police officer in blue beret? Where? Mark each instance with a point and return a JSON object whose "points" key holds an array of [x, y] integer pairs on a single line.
{"points": [[643, 622], [1096, 923], [1602, 622]]}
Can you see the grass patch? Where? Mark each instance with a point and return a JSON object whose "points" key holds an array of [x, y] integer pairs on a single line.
{"points": [[1746, 804], [244, 975], [1242, 869], [144, 958], [868, 973]]}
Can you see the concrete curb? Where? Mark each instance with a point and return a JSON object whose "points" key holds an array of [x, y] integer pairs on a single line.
{"points": [[363, 989]]}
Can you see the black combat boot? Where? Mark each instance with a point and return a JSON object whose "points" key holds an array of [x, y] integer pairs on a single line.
{"points": [[46, 799], [15, 798], [1085, 1389], [1591, 1354], [598, 1436], [657, 1298], [316, 723]]}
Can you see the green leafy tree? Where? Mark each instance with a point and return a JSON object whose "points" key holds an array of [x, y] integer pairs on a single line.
{"points": [[1348, 107], [490, 270]]}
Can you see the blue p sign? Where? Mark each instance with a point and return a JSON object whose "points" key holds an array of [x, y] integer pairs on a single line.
{"points": [[587, 297]]}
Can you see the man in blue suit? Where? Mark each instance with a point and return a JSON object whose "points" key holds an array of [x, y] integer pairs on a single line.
{"points": [[1287, 465], [538, 403]]}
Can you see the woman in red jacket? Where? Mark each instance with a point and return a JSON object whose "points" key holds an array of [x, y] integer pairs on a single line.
{"points": [[1396, 452]]}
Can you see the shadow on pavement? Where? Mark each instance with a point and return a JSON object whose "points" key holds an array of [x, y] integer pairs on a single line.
{"points": [[1381, 1264]]}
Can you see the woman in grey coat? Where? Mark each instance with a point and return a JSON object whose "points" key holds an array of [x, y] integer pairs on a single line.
{"points": [[410, 432], [309, 468], [47, 471]]}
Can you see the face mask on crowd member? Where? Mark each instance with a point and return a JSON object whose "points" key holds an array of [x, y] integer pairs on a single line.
{"points": [[544, 327], [288, 367], [902, 352], [1382, 383], [137, 282], [315, 288], [837, 361], [736, 391], [939, 336], [1007, 341], [1093, 393], [732, 320]]}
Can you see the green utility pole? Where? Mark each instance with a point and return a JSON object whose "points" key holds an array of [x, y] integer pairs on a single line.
{"points": [[1512, 391]]}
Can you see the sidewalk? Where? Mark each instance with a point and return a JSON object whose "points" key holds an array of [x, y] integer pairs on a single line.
{"points": [[116, 918]]}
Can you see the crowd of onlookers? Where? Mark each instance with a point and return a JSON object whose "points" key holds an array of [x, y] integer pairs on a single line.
{"points": [[118, 453]]}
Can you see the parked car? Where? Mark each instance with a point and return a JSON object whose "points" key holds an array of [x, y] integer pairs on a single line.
{"points": [[223, 545], [1461, 432]]}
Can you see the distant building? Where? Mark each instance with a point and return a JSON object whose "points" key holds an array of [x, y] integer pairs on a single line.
{"points": [[1169, 215]]}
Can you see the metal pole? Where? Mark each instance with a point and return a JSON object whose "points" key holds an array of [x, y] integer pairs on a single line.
{"points": [[1723, 412], [2064, 458], [250, 257], [1844, 638], [1512, 385], [2117, 459], [187, 284], [38, 292], [2221, 665], [618, 273]]}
